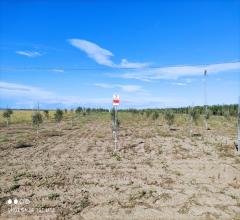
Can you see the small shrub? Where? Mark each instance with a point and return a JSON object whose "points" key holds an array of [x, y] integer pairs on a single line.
{"points": [[155, 115], [7, 115], [194, 115], [83, 204], [169, 117], [37, 120], [46, 114], [148, 113], [58, 116], [53, 196]]}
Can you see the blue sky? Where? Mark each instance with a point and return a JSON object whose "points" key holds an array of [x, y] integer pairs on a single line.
{"points": [[151, 53]]}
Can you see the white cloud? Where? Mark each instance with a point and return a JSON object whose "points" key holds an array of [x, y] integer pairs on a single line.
{"points": [[125, 64], [188, 80], [130, 88], [179, 84], [104, 85], [100, 55], [27, 96], [125, 88], [103, 56], [58, 70], [28, 53], [176, 72], [19, 90]]}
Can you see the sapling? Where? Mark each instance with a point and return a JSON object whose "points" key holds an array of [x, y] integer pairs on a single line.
{"points": [[37, 120], [169, 117], [155, 115], [72, 116], [88, 110], [208, 114], [194, 115], [58, 116], [46, 114], [142, 113], [226, 114], [148, 113], [78, 111], [7, 115]]}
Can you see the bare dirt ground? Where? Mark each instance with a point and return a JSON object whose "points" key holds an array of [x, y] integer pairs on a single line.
{"points": [[157, 173]]}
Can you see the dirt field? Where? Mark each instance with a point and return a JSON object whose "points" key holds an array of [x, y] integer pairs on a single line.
{"points": [[157, 173]]}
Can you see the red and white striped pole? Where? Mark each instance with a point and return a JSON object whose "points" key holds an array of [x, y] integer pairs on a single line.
{"points": [[116, 102]]}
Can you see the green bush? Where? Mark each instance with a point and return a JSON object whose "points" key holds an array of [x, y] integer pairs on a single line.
{"points": [[169, 117], [58, 115], [7, 114], [37, 119], [155, 115], [46, 114], [194, 113]]}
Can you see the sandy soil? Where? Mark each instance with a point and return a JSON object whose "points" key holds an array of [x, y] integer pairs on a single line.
{"points": [[156, 174]]}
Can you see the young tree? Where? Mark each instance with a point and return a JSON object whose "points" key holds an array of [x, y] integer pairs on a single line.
{"points": [[169, 117], [7, 115], [194, 115], [65, 111], [72, 116], [155, 115], [226, 114], [78, 111], [148, 113], [46, 114], [37, 120], [88, 110], [58, 116]]}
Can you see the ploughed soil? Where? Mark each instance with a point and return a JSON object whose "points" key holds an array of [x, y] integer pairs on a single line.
{"points": [[156, 173]]}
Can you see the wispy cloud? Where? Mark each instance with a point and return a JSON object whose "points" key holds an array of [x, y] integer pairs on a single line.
{"points": [[58, 70], [28, 53], [125, 88], [26, 96], [125, 64], [179, 84], [176, 72], [100, 55], [103, 56], [19, 90]]}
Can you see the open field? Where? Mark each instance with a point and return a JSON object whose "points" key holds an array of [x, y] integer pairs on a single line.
{"points": [[159, 172]]}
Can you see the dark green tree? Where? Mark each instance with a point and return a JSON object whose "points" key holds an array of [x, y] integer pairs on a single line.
{"points": [[169, 117], [7, 115], [58, 116], [37, 120], [46, 114]]}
